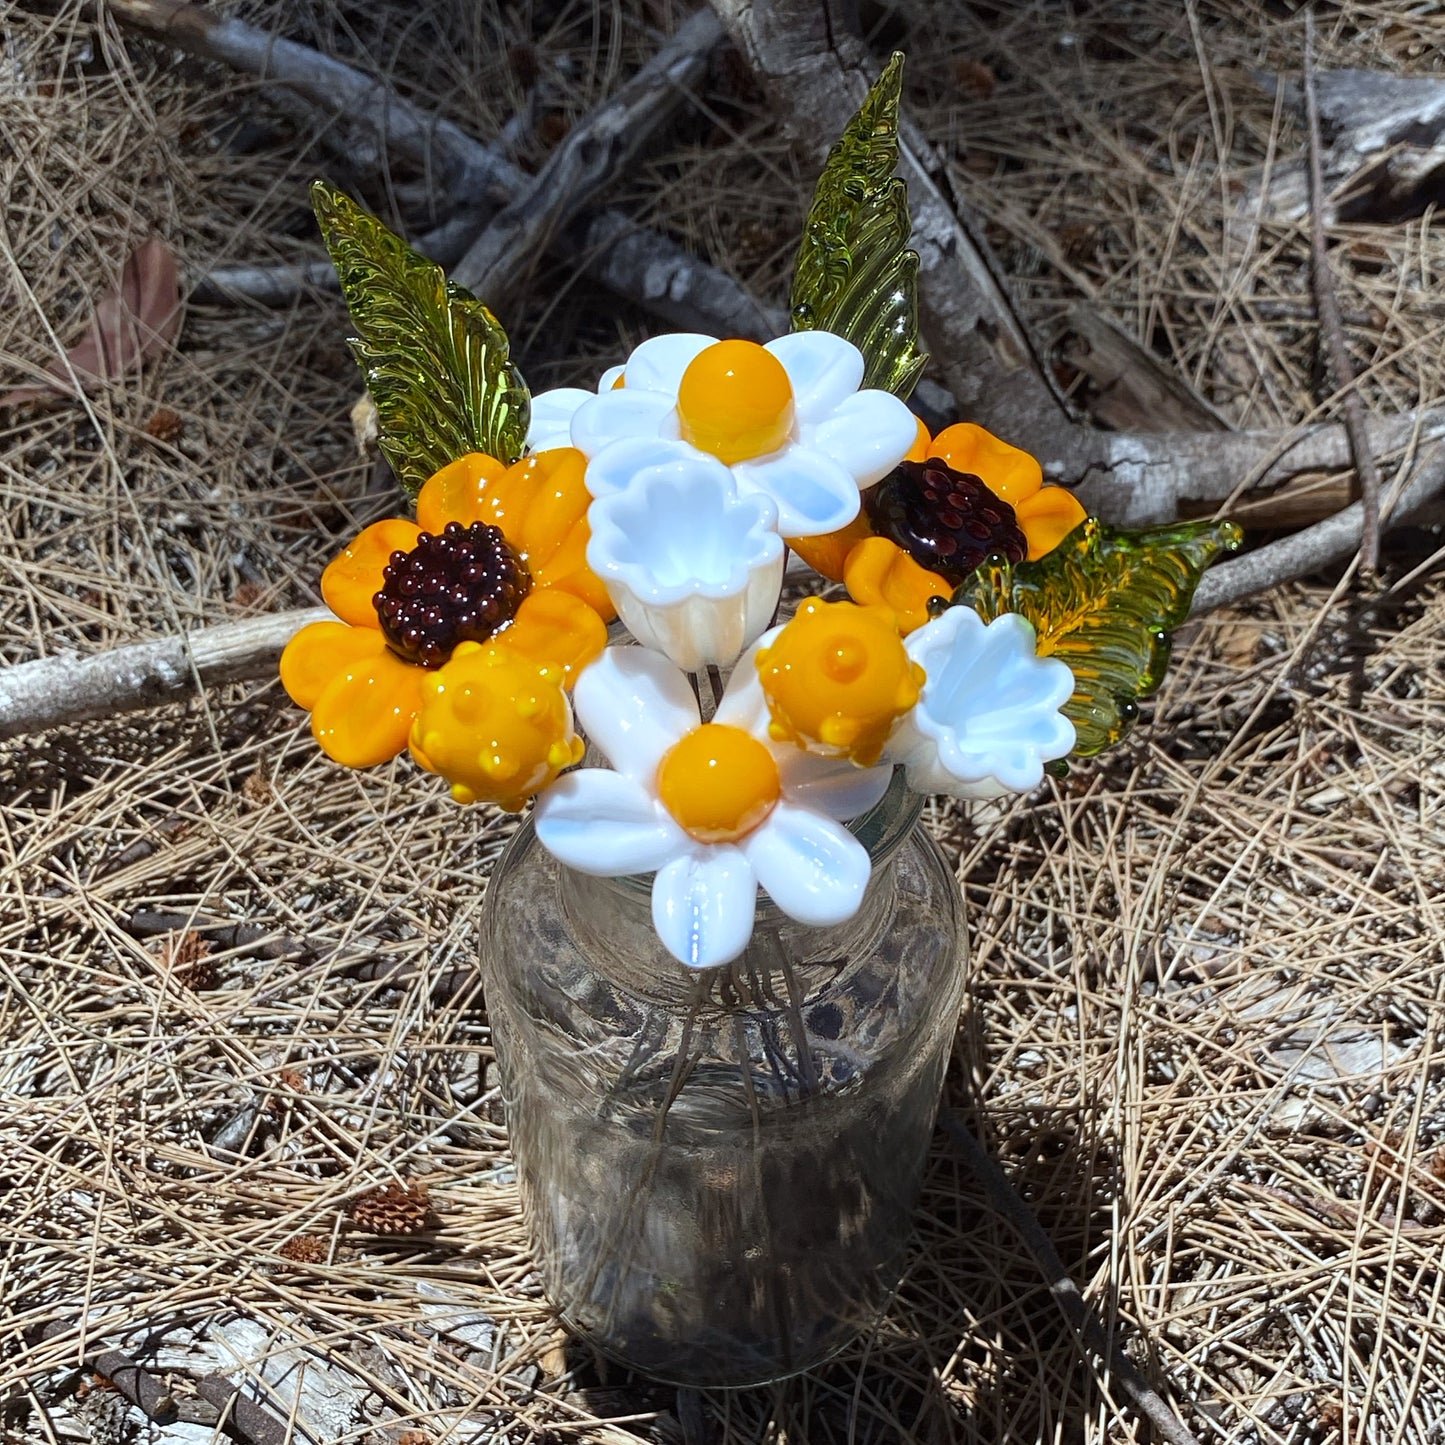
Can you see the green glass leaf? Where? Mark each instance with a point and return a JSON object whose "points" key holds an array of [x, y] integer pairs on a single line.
{"points": [[1104, 601], [436, 361], [855, 275]]}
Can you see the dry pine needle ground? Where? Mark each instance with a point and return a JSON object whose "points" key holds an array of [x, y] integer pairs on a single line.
{"points": [[1205, 1029]]}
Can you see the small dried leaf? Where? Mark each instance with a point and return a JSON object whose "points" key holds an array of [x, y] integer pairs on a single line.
{"points": [[129, 326]]}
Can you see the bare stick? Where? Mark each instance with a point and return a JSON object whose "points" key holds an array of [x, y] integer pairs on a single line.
{"points": [[596, 151], [641, 265], [57, 690], [1341, 373], [1009, 1205], [1317, 546]]}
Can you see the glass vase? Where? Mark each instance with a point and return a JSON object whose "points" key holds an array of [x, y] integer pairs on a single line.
{"points": [[719, 1168]]}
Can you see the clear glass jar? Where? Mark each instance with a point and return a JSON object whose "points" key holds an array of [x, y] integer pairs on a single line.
{"points": [[719, 1168]]}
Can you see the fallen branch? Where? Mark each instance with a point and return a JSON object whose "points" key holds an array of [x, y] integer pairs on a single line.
{"points": [[57, 690], [1317, 546], [1009, 1205], [1341, 373], [641, 265], [595, 152]]}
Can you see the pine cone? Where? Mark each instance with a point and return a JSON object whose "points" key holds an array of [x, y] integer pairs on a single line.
{"points": [[187, 955], [165, 425], [304, 1249], [392, 1209]]}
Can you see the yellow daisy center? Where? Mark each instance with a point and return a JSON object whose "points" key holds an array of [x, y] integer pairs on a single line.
{"points": [[719, 783], [735, 401]]}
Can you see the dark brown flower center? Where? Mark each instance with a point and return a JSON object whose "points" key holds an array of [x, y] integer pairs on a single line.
{"points": [[947, 521], [460, 586]]}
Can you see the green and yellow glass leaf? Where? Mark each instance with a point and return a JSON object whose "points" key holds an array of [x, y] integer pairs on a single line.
{"points": [[436, 361], [855, 275], [1104, 601]]}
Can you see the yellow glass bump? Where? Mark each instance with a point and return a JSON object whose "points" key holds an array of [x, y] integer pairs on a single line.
{"points": [[718, 782], [495, 725], [735, 401], [837, 678]]}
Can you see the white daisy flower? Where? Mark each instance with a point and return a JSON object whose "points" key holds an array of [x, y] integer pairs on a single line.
{"points": [[714, 809], [987, 718], [788, 419], [692, 568]]}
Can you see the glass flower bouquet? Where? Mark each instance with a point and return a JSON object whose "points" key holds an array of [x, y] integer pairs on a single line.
{"points": [[720, 1100]]}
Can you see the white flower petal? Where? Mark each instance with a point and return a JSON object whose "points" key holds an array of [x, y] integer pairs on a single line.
{"points": [[833, 786], [604, 823], [658, 364], [868, 434], [693, 569], [626, 413], [813, 493], [634, 705], [552, 413], [814, 869], [609, 378], [702, 905], [743, 703], [824, 369], [614, 467], [988, 715]]}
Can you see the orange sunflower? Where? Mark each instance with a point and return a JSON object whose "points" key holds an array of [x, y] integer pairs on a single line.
{"points": [[877, 571], [361, 678]]}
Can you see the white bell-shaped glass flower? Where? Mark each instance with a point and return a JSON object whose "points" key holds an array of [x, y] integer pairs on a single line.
{"points": [[692, 568], [788, 419], [713, 809], [987, 718]]}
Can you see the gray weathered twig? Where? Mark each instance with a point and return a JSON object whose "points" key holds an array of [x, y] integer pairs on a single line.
{"points": [[57, 690], [1009, 1205], [1318, 546], [1341, 373]]}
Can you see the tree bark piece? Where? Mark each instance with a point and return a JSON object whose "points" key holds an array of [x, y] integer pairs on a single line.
{"points": [[816, 72], [58, 690]]}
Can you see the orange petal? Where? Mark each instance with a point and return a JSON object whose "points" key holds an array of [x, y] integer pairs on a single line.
{"points": [[365, 712], [829, 553], [317, 653], [555, 629], [919, 451], [880, 573], [1047, 518], [1006, 471], [455, 494], [541, 500], [351, 581]]}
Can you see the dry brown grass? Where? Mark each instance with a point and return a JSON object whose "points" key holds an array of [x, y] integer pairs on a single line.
{"points": [[1206, 1004]]}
